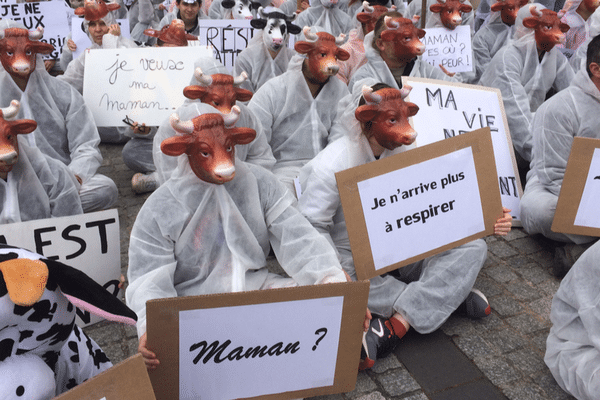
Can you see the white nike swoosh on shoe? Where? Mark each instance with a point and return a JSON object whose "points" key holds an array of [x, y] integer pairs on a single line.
{"points": [[380, 332]]}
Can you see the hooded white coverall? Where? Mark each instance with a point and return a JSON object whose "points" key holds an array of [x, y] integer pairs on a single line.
{"points": [[573, 345], [578, 59], [256, 152], [192, 237], [37, 187], [415, 292], [332, 19], [524, 80], [568, 114], [65, 129]]}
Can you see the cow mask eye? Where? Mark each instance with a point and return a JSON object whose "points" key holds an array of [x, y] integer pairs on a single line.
{"points": [[9, 53], [229, 149], [205, 154], [28, 52], [546, 27]]}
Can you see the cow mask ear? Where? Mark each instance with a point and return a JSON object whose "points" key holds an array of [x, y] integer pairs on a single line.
{"points": [[242, 135], [303, 47], [342, 54], [530, 22], [228, 3], [413, 109], [24, 126], [258, 23], [243, 94], [365, 113], [497, 6], [293, 29], [195, 92], [436, 8], [174, 146]]}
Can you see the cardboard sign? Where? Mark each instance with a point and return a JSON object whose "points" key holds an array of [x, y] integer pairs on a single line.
{"points": [[50, 15], [81, 38], [127, 380], [227, 37], [87, 242], [449, 48], [144, 84], [577, 208], [268, 344], [449, 109], [404, 208]]}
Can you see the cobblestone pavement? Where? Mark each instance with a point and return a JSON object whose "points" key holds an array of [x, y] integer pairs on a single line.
{"points": [[498, 357]]}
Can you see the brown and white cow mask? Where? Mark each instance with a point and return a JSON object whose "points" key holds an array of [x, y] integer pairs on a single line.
{"points": [[450, 11], [19, 48], [402, 37], [218, 90], [385, 116], [173, 34], [323, 52], [549, 30], [9, 129], [508, 10], [369, 16], [209, 140]]}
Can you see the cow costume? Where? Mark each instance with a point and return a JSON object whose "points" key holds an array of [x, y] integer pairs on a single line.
{"points": [[295, 120], [267, 54], [209, 228], [573, 347], [433, 8], [176, 14], [525, 72], [327, 15], [426, 304], [570, 113], [495, 33], [212, 84], [66, 130], [38, 297], [33, 185]]}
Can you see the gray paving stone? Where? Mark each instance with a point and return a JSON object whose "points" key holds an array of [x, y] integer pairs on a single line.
{"points": [[489, 323], [502, 249], [534, 274], [527, 323], [456, 325], [387, 363], [523, 391], [539, 340], [497, 370], [501, 274], [372, 396], [523, 291], [546, 382], [527, 361], [549, 287], [505, 306], [542, 307], [527, 245], [488, 286], [105, 333], [416, 396], [515, 233], [327, 397], [397, 382], [506, 340], [477, 390], [474, 346], [364, 384]]}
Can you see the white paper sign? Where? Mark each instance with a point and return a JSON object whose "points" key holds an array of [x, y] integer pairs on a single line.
{"points": [[50, 15], [587, 213], [88, 242], [227, 37], [447, 110], [81, 38], [400, 227], [145, 84], [260, 349], [449, 48]]}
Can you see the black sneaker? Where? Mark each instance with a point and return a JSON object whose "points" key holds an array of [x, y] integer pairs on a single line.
{"points": [[475, 305], [378, 342]]}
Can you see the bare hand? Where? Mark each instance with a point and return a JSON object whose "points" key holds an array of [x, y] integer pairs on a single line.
{"points": [[450, 74], [149, 357], [49, 64], [162, 7], [71, 45], [140, 129], [367, 322], [78, 179], [115, 30], [504, 223]]}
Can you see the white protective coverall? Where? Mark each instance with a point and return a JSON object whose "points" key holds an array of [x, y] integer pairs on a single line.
{"points": [[38, 187], [74, 75], [524, 81], [569, 113], [491, 37], [256, 61], [326, 15], [377, 69], [573, 345], [295, 124], [425, 304], [256, 152], [65, 128], [578, 59], [166, 20], [578, 28], [146, 19], [192, 237], [356, 48], [433, 19]]}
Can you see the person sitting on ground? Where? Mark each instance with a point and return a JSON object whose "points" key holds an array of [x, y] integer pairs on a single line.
{"points": [[189, 12], [570, 113], [105, 33], [210, 227], [577, 15], [572, 347], [328, 15], [422, 294], [65, 125], [578, 60]]}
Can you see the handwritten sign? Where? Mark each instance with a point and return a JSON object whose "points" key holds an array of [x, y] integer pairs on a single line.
{"points": [[145, 84], [577, 207], [88, 242], [449, 48], [227, 37], [419, 203], [83, 41], [50, 15], [447, 109], [127, 380], [276, 343]]}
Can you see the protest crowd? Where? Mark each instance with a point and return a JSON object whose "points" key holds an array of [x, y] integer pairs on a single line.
{"points": [[243, 171]]}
